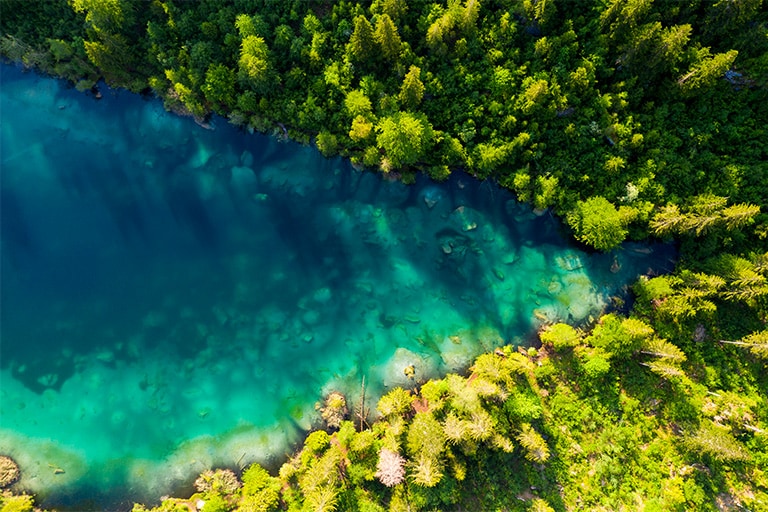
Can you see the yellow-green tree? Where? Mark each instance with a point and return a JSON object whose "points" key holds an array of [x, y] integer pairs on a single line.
{"points": [[597, 223], [405, 138], [387, 37], [412, 90]]}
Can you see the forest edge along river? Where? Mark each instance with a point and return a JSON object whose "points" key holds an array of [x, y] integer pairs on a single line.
{"points": [[176, 298]]}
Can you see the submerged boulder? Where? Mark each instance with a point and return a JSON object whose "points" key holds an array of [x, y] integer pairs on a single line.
{"points": [[242, 177], [464, 219], [432, 195]]}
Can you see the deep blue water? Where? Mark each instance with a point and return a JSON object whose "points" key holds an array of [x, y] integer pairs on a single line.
{"points": [[176, 298]]}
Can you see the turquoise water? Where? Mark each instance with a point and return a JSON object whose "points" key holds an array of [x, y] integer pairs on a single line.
{"points": [[176, 297]]}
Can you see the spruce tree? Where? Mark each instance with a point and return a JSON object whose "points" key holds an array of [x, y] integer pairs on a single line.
{"points": [[412, 89], [387, 37]]}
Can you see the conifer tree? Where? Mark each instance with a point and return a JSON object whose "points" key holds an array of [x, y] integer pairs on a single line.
{"points": [[706, 72], [387, 37], [362, 44], [536, 449], [757, 343], [254, 63], [738, 215], [668, 221], [412, 89], [395, 9]]}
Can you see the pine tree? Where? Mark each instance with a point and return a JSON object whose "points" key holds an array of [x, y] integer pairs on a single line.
{"points": [[672, 43], [412, 89], [454, 428], [739, 215], [757, 343], [597, 223], [717, 442], [706, 72], [663, 349], [362, 44], [387, 37], [536, 449], [669, 221], [395, 9], [390, 469], [404, 137], [426, 471]]}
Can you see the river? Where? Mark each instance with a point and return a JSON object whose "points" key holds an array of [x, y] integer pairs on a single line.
{"points": [[176, 298]]}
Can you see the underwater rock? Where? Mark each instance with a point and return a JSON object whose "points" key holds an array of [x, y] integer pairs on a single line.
{"points": [[106, 356], [242, 177], [48, 380], [547, 315], [311, 317], [246, 158], [452, 243], [322, 295], [554, 287], [615, 266], [457, 356], [580, 309], [464, 218], [569, 261], [431, 196], [9, 471]]}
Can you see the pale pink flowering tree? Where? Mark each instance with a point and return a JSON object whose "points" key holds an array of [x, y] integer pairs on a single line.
{"points": [[391, 468]]}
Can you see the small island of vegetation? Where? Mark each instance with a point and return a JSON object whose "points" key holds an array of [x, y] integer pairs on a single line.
{"points": [[630, 119]]}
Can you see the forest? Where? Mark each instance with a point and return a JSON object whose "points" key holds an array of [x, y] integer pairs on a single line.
{"points": [[628, 119]]}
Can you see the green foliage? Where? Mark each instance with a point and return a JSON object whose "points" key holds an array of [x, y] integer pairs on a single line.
{"points": [[362, 44], [387, 37], [597, 223], [254, 59], [705, 213], [629, 117], [397, 402], [412, 89], [261, 492], [560, 336], [706, 71], [102, 15], [536, 449], [215, 504], [425, 436], [219, 86], [404, 137], [716, 442]]}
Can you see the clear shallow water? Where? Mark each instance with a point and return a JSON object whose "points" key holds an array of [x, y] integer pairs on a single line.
{"points": [[175, 298]]}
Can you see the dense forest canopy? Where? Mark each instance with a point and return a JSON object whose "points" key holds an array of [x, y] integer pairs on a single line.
{"points": [[628, 118], [643, 103]]}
